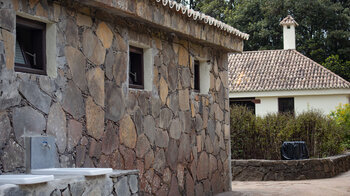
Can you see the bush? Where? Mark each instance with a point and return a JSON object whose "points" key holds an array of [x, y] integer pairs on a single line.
{"points": [[272, 131], [244, 123], [342, 117], [261, 138]]}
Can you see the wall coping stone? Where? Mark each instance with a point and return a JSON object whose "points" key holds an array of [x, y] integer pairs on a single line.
{"points": [[118, 173], [265, 170], [65, 183]]}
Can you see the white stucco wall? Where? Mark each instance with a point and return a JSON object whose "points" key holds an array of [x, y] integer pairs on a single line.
{"points": [[326, 104], [288, 37], [204, 77], [324, 100], [267, 105]]}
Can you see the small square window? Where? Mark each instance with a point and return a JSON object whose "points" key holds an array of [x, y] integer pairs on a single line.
{"points": [[196, 75], [30, 53], [286, 105], [136, 68]]}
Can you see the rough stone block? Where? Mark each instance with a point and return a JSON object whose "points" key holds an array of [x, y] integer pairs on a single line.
{"points": [[133, 183], [122, 187], [92, 48], [95, 78], [27, 121], [115, 104], [165, 118], [149, 128], [56, 126], [7, 20], [10, 162], [105, 34], [110, 140], [159, 161], [5, 129], [77, 63], [35, 96], [127, 132], [73, 101], [94, 119], [75, 129], [142, 146]]}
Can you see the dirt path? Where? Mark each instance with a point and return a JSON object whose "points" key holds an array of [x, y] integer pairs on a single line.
{"points": [[339, 185]]}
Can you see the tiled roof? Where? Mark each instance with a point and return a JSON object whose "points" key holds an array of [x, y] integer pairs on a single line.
{"points": [[190, 13], [273, 70], [289, 20]]}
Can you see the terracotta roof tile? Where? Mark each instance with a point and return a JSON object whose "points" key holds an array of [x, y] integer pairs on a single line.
{"points": [[273, 70], [289, 20]]}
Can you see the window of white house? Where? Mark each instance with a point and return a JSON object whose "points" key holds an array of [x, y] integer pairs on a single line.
{"points": [[140, 68], [201, 76], [30, 56], [35, 46], [286, 105]]}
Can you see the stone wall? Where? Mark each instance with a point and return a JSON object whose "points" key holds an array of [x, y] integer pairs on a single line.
{"points": [[119, 183], [187, 24], [177, 138], [265, 170]]}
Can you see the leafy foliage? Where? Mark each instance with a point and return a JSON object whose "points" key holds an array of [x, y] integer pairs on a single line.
{"points": [[342, 117], [244, 136], [323, 31], [335, 64], [261, 138]]}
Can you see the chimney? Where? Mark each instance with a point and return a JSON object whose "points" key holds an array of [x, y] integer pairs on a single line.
{"points": [[289, 25]]}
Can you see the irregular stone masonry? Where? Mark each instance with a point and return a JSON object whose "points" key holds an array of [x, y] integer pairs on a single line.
{"points": [[265, 170], [118, 183], [176, 137], [174, 17]]}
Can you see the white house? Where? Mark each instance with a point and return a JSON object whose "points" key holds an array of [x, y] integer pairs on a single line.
{"points": [[284, 80]]}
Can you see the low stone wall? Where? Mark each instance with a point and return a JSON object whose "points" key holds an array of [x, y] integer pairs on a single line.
{"points": [[117, 183], [265, 170]]}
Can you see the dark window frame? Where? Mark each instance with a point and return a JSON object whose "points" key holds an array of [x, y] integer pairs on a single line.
{"points": [[32, 25], [139, 51], [196, 76], [249, 102], [282, 107]]}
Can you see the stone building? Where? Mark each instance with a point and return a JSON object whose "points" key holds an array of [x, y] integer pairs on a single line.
{"points": [[125, 84]]}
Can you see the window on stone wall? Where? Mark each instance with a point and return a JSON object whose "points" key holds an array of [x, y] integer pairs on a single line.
{"points": [[201, 70], [30, 53], [196, 75], [286, 105], [136, 68]]}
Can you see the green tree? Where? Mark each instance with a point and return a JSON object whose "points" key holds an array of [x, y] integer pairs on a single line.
{"points": [[214, 8], [342, 116], [323, 31], [337, 65]]}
